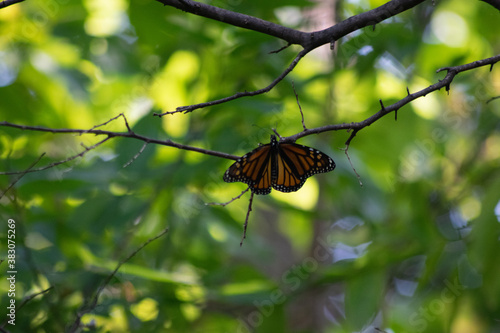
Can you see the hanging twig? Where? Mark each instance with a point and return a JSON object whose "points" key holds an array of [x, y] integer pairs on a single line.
{"points": [[300, 108], [21, 175], [346, 149], [246, 219], [91, 306], [24, 302], [136, 155]]}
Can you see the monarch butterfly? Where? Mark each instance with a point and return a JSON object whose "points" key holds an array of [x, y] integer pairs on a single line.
{"points": [[284, 167]]}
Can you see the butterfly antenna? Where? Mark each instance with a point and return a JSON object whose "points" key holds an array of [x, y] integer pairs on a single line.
{"points": [[277, 134], [246, 220]]}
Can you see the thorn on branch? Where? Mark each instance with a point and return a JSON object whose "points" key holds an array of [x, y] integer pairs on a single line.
{"points": [[396, 115], [183, 109], [443, 69], [408, 91], [382, 105], [332, 45], [491, 67]]}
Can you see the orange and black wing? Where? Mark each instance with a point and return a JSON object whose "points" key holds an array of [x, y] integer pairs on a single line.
{"points": [[253, 169], [295, 163]]}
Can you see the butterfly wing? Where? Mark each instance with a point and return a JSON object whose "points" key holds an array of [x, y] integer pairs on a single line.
{"points": [[284, 167], [286, 179], [295, 163], [253, 169]]}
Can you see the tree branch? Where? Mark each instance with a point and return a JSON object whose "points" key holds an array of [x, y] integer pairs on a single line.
{"points": [[237, 19], [109, 134], [362, 20], [494, 3], [190, 108], [356, 127], [308, 40], [8, 3], [445, 83], [293, 36]]}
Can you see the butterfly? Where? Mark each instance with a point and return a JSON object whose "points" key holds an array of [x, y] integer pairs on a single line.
{"points": [[282, 166]]}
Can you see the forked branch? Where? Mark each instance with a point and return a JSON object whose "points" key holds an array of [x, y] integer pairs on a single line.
{"points": [[308, 40]]}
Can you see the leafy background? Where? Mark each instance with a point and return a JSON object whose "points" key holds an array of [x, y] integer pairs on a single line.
{"points": [[413, 250]]}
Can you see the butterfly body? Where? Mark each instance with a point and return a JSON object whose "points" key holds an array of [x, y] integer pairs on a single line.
{"points": [[282, 166]]}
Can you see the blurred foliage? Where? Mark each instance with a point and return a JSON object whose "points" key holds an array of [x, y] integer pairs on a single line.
{"points": [[412, 250]]}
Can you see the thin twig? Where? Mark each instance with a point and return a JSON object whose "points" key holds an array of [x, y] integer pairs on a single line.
{"points": [[190, 108], [110, 120], [111, 134], [136, 155], [347, 144], [445, 82], [308, 40], [452, 72], [25, 301], [95, 299], [30, 297], [246, 219], [80, 154], [21, 175], [223, 204], [492, 99], [300, 108]]}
